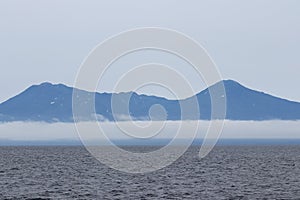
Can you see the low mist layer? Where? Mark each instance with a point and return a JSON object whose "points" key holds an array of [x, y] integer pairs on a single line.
{"points": [[35, 131]]}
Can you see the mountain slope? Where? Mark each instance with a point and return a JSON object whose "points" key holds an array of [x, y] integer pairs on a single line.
{"points": [[246, 104], [53, 103]]}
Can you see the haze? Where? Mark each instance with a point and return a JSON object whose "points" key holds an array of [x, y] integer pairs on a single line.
{"points": [[254, 42]]}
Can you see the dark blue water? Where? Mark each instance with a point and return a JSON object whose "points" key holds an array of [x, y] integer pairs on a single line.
{"points": [[229, 172]]}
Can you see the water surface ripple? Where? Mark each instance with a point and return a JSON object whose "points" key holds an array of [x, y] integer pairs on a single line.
{"points": [[229, 172]]}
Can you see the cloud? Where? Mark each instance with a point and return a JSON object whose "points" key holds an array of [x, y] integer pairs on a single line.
{"points": [[32, 131]]}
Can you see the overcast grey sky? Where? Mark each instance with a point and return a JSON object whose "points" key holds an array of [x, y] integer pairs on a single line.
{"points": [[255, 42]]}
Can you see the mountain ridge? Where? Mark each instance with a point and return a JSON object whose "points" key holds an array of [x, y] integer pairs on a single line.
{"points": [[53, 103]]}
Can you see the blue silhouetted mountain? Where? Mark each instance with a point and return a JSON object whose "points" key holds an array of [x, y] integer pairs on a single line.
{"points": [[247, 104], [45, 102], [53, 103]]}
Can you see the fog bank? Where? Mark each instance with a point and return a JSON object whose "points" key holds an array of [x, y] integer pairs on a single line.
{"points": [[34, 131]]}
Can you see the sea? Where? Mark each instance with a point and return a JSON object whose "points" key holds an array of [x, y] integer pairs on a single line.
{"points": [[228, 172]]}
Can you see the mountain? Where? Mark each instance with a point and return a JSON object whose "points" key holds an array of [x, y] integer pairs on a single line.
{"points": [[53, 103], [247, 104]]}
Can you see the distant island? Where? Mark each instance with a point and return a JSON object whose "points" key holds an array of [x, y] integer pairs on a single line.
{"points": [[53, 103]]}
